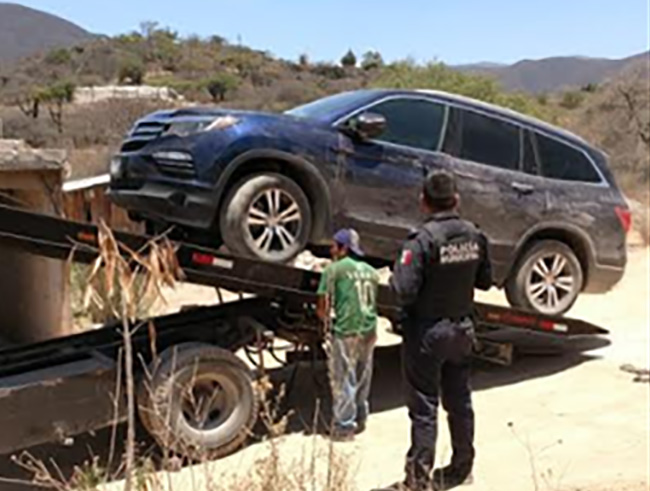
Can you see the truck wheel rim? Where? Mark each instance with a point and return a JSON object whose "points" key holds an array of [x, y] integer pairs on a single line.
{"points": [[551, 284], [209, 402], [274, 221]]}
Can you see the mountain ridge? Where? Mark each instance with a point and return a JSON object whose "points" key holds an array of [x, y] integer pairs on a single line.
{"points": [[553, 73], [25, 31]]}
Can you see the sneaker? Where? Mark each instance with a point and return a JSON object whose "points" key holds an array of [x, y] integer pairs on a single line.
{"points": [[361, 427], [452, 476], [342, 435], [402, 486], [398, 486]]}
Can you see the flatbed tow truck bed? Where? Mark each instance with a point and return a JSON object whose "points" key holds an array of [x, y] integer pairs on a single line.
{"points": [[53, 390]]}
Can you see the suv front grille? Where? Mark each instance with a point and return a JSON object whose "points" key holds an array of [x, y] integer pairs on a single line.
{"points": [[142, 134]]}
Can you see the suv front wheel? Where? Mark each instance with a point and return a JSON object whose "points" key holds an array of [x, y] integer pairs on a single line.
{"points": [[266, 216], [547, 278]]}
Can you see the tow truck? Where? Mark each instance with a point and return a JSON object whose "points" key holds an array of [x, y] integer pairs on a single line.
{"points": [[194, 392]]}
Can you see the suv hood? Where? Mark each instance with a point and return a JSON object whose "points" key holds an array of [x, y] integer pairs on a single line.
{"points": [[152, 126], [202, 112]]}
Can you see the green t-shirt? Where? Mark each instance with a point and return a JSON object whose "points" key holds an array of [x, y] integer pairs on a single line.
{"points": [[352, 286]]}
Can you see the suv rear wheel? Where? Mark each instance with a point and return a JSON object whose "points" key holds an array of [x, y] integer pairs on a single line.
{"points": [[266, 216], [547, 278]]}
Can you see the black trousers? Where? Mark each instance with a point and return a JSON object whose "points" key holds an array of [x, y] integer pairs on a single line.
{"points": [[436, 364]]}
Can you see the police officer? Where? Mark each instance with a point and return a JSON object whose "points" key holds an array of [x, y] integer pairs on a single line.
{"points": [[434, 280]]}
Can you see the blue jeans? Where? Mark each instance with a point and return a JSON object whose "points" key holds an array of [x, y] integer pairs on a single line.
{"points": [[350, 377]]}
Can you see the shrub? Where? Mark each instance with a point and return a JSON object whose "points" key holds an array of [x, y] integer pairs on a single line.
{"points": [[132, 70], [219, 85], [328, 70], [60, 56], [572, 100]]}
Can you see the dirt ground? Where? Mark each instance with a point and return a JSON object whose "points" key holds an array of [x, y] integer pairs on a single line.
{"points": [[546, 423], [574, 422]]}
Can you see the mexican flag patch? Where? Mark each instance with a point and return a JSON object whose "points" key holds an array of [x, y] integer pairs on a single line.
{"points": [[407, 257]]}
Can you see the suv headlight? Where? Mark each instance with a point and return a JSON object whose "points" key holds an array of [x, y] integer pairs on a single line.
{"points": [[116, 169], [189, 127]]}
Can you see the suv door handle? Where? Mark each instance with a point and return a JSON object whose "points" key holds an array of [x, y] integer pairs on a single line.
{"points": [[522, 188]]}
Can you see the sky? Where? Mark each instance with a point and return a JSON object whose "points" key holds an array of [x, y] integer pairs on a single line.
{"points": [[453, 31]]}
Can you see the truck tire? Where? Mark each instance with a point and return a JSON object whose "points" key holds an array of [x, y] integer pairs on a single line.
{"points": [[200, 403], [144, 390], [266, 216], [547, 278]]}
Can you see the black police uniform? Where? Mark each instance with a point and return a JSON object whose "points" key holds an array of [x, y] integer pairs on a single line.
{"points": [[434, 280]]}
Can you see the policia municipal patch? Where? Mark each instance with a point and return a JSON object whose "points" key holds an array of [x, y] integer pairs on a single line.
{"points": [[459, 253]]}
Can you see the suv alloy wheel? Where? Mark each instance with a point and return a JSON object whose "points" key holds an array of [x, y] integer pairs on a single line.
{"points": [[547, 278], [266, 216]]}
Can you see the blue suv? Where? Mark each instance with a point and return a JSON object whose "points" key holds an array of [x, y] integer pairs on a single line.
{"points": [[270, 185]]}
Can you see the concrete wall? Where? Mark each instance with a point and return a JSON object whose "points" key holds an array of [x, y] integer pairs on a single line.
{"points": [[89, 95], [33, 290]]}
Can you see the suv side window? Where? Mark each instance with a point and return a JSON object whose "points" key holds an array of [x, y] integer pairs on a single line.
{"points": [[412, 122], [530, 162], [560, 161], [487, 140]]}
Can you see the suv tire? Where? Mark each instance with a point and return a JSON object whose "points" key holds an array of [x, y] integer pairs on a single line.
{"points": [[266, 216], [547, 278]]}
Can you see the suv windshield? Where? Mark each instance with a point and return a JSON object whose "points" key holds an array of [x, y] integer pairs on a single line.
{"points": [[328, 108]]}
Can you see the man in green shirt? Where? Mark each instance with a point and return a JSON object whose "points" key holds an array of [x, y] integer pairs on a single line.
{"points": [[349, 285]]}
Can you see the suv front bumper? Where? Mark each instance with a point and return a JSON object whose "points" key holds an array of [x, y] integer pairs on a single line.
{"points": [[184, 205]]}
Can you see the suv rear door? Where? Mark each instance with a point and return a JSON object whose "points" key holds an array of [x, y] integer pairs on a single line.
{"points": [[496, 193], [580, 198]]}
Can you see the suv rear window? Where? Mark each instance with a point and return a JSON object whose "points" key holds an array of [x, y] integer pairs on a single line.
{"points": [[415, 123], [487, 140], [560, 161]]}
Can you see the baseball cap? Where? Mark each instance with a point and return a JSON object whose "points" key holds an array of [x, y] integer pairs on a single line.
{"points": [[349, 238], [440, 185]]}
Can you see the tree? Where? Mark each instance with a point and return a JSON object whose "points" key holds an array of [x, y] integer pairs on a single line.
{"points": [[29, 104], [131, 70], [148, 27], [220, 84], [164, 48], [59, 56], [638, 110], [372, 60], [349, 59], [56, 96], [218, 40], [303, 60]]}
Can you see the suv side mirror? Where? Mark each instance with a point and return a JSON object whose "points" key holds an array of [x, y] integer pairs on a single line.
{"points": [[367, 125]]}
